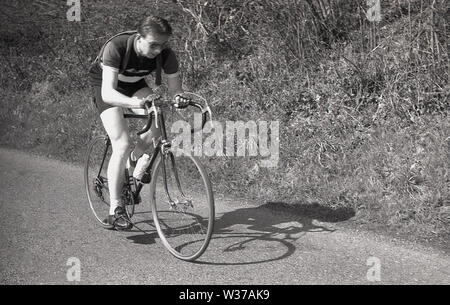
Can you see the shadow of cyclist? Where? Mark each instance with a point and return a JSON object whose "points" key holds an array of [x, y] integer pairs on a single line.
{"points": [[274, 223], [143, 224]]}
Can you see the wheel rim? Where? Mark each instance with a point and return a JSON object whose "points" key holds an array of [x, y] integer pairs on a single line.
{"points": [[185, 229], [97, 186]]}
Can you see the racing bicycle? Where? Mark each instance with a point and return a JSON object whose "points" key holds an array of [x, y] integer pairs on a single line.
{"points": [[180, 196]]}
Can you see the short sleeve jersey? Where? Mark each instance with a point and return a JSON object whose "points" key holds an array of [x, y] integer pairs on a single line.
{"points": [[137, 66]]}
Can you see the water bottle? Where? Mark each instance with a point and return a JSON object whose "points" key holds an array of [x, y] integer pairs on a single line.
{"points": [[141, 166]]}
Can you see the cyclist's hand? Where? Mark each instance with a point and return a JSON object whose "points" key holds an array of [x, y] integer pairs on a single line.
{"points": [[148, 100], [152, 97], [138, 102], [180, 101]]}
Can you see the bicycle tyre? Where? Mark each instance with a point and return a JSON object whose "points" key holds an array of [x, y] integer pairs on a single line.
{"points": [[95, 178], [95, 181], [185, 241]]}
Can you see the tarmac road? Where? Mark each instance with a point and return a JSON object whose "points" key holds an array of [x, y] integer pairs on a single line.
{"points": [[46, 225]]}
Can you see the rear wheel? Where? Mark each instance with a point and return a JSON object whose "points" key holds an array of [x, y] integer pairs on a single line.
{"points": [[95, 178], [96, 181], [184, 214]]}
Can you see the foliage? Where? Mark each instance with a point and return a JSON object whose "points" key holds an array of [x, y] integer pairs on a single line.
{"points": [[363, 107]]}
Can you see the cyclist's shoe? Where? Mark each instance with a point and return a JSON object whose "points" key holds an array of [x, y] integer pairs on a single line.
{"points": [[119, 220]]}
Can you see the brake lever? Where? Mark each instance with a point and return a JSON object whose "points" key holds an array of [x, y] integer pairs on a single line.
{"points": [[204, 109], [155, 111], [153, 108]]}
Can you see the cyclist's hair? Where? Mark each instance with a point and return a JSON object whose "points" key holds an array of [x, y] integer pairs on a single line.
{"points": [[154, 25]]}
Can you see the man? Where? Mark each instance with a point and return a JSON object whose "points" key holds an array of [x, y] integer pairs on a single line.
{"points": [[118, 80]]}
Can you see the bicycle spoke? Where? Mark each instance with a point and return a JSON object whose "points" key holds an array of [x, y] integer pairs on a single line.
{"points": [[183, 207]]}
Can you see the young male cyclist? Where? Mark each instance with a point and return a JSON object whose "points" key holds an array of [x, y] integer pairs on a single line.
{"points": [[119, 85]]}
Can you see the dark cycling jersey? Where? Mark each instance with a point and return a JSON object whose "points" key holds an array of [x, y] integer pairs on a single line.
{"points": [[137, 66]]}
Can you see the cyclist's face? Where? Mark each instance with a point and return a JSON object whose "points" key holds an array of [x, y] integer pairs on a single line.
{"points": [[151, 45]]}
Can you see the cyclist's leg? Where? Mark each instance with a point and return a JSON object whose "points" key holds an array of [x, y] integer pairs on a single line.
{"points": [[146, 139], [117, 129]]}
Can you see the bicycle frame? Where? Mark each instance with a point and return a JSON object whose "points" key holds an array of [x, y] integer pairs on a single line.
{"points": [[181, 200], [161, 147]]}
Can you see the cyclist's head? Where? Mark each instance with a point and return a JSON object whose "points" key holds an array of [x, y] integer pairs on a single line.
{"points": [[154, 25], [153, 34]]}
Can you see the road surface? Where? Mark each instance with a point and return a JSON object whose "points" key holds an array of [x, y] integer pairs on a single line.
{"points": [[47, 229]]}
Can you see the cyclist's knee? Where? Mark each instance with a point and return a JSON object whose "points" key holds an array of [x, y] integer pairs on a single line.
{"points": [[122, 146]]}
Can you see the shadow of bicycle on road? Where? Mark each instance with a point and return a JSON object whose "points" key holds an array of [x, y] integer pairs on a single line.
{"points": [[256, 235], [143, 224], [268, 232]]}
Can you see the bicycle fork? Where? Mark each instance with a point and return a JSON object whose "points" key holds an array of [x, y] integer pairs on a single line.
{"points": [[164, 148], [166, 154]]}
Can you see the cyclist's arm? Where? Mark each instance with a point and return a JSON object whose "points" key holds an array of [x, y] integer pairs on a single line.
{"points": [[109, 93], [174, 84]]}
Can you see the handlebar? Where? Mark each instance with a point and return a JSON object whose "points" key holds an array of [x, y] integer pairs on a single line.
{"points": [[152, 106]]}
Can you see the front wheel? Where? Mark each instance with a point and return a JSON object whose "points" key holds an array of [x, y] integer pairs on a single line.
{"points": [[183, 212]]}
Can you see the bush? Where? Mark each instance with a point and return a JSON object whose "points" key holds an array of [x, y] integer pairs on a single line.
{"points": [[362, 106]]}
